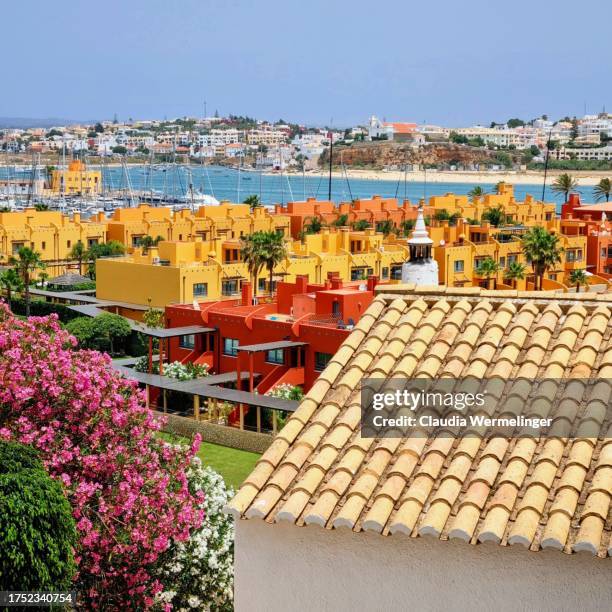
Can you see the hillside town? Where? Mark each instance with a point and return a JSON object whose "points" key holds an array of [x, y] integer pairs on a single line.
{"points": [[284, 145]]}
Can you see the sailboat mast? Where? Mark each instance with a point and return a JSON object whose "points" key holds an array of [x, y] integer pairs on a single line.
{"points": [[331, 154]]}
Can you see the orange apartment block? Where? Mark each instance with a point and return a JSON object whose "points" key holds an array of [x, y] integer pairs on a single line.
{"points": [[595, 218], [373, 210]]}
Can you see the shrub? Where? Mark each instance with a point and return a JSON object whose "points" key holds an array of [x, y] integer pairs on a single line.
{"points": [[176, 369], [37, 531], [101, 332], [199, 572], [39, 308], [128, 489]]}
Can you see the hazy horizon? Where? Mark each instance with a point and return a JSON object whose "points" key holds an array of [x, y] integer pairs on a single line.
{"points": [[341, 61]]}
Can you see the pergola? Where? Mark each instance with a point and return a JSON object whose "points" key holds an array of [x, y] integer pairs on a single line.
{"points": [[165, 333], [209, 387], [251, 349]]}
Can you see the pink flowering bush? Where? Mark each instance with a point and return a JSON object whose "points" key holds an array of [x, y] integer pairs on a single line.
{"points": [[128, 489]]}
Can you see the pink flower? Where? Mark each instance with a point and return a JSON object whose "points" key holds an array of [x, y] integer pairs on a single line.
{"points": [[127, 488]]}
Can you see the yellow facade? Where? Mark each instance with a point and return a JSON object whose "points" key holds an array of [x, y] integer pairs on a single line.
{"points": [[528, 212], [50, 233], [76, 180], [179, 272], [216, 223], [459, 251]]}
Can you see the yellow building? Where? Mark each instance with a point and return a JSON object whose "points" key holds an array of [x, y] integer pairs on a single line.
{"points": [[461, 249], [76, 180], [529, 212], [212, 269], [227, 221], [50, 233]]}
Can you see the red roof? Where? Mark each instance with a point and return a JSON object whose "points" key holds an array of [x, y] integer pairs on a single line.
{"points": [[402, 128]]}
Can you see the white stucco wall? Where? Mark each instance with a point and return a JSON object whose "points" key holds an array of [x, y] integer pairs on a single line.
{"points": [[288, 568], [425, 273]]}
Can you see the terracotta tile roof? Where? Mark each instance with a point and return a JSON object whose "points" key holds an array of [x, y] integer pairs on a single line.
{"points": [[552, 492]]}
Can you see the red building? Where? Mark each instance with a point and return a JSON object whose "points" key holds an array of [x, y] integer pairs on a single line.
{"points": [[598, 231], [289, 340]]}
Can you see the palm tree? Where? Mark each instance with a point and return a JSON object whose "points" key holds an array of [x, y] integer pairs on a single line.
{"points": [[146, 242], [564, 184], [253, 201], [602, 190], [273, 251], [10, 281], [251, 254], [313, 225], [488, 268], [476, 192], [578, 278], [341, 221], [408, 226], [361, 225], [495, 216], [386, 227], [78, 253], [27, 262], [515, 272], [542, 250]]}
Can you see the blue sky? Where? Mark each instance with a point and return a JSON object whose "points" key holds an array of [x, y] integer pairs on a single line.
{"points": [[447, 62]]}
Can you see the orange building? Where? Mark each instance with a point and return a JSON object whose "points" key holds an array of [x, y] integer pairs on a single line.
{"points": [[598, 229], [374, 211]]}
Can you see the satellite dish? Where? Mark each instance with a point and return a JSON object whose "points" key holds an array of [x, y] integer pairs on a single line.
{"points": [[363, 287]]}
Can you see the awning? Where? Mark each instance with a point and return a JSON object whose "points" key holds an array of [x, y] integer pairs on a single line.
{"points": [[270, 346]]}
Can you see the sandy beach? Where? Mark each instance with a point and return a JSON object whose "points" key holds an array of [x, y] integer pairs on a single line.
{"points": [[587, 178]]}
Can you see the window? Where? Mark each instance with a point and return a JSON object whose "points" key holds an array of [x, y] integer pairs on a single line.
{"points": [[229, 287], [187, 342], [43, 245], [396, 272], [68, 243], [230, 347], [512, 259], [321, 360], [502, 262], [459, 265], [200, 289], [276, 356], [385, 273], [92, 241], [17, 246], [261, 284], [357, 274], [136, 240]]}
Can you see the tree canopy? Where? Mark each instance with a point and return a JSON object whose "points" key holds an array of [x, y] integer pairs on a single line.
{"points": [[37, 531]]}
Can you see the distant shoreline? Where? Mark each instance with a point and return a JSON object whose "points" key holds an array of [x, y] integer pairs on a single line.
{"points": [[584, 178]]}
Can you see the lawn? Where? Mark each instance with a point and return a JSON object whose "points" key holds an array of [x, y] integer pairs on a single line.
{"points": [[234, 465]]}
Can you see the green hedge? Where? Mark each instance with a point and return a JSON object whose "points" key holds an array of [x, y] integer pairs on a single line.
{"points": [[37, 530], [39, 308]]}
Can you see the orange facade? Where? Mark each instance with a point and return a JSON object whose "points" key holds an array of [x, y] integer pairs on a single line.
{"points": [[598, 229]]}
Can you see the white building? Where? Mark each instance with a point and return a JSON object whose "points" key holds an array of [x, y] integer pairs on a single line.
{"points": [[585, 154], [219, 138]]}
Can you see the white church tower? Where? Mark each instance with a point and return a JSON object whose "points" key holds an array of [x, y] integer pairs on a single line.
{"points": [[420, 268]]}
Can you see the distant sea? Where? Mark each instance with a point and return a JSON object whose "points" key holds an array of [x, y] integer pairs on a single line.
{"points": [[228, 184]]}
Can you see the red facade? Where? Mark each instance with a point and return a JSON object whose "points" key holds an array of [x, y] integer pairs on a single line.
{"points": [[320, 316]]}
